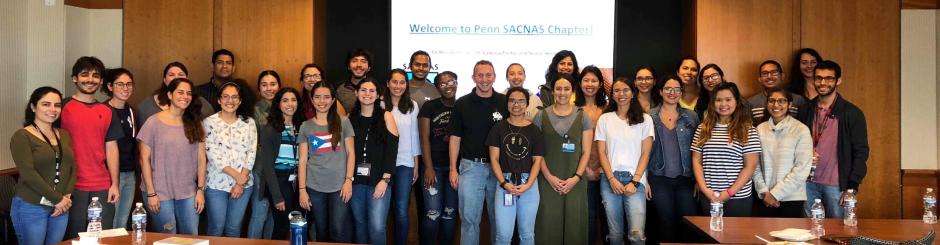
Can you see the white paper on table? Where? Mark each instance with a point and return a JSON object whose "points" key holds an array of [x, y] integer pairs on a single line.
{"points": [[793, 234], [106, 233]]}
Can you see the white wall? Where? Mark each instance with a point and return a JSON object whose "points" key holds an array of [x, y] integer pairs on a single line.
{"points": [[919, 90], [38, 44]]}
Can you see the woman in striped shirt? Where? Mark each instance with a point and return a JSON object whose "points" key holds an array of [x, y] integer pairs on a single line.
{"points": [[725, 151]]}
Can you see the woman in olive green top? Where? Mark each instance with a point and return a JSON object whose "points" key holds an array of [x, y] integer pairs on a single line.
{"points": [[568, 133], [43, 157]]}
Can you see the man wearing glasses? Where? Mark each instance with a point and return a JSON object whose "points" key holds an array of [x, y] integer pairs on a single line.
{"points": [[474, 114], [840, 142], [770, 76]]}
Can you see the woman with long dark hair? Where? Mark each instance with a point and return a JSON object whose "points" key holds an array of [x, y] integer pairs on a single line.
{"points": [[687, 71], [376, 142], [173, 163], [405, 112], [710, 76], [277, 159], [231, 145], [725, 151], [593, 100], [567, 132], [261, 222], [802, 82], [326, 164], [644, 81], [670, 166], [43, 156], [159, 101], [624, 137], [564, 62]]}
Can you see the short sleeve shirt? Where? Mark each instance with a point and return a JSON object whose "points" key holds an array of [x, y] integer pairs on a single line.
{"points": [[624, 141], [173, 160], [326, 161], [517, 146], [722, 161], [439, 115]]}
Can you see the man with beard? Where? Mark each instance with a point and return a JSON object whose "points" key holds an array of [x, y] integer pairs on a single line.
{"points": [[473, 116], [770, 75], [223, 66], [95, 131], [421, 89], [358, 64], [840, 142]]}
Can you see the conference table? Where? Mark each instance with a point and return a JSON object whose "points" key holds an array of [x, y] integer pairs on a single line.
{"points": [[741, 230], [153, 237]]}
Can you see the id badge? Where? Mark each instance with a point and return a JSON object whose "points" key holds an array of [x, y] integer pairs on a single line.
{"points": [[46, 202], [507, 199], [362, 169], [567, 147], [292, 177]]}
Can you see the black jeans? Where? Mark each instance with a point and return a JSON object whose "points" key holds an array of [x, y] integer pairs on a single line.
{"points": [[289, 192], [597, 217], [788, 209], [672, 199]]}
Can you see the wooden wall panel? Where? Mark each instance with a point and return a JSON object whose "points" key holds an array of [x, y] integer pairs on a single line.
{"points": [[863, 36], [915, 184], [739, 35], [267, 34], [920, 4], [159, 32]]}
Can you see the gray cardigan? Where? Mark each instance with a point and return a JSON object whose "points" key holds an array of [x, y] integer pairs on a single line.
{"points": [[785, 161]]}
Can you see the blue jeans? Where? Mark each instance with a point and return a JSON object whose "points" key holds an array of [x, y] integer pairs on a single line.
{"points": [[261, 222], [329, 214], [523, 209], [225, 213], [476, 185], [33, 224], [126, 202], [175, 217], [829, 195], [673, 199], [401, 197], [439, 226], [633, 207], [370, 214]]}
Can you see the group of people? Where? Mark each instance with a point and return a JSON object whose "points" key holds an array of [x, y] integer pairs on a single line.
{"points": [[580, 156]]}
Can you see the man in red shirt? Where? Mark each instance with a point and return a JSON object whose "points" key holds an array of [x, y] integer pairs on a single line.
{"points": [[95, 131]]}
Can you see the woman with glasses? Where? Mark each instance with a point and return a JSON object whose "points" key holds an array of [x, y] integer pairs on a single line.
{"points": [[440, 199], [670, 166], [119, 86], [231, 144], [787, 154], [310, 75], [710, 76], [644, 81], [568, 133]]}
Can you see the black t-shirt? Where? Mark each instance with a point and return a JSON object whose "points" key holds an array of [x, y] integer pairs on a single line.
{"points": [[516, 145], [439, 114], [127, 145], [473, 117]]}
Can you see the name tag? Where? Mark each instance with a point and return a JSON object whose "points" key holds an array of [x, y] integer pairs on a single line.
{"points": [[292, 177], [567, 147], [507, 199], [362, 169]]}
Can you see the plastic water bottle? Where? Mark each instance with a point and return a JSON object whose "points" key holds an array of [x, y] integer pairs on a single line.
{"points": [[930, 206], [717, 211], [298, 228], [139, 223], [94, 218], [818, 215], [848, 205]]}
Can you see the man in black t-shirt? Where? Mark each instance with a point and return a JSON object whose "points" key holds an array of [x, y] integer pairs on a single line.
{"points": [[474, 114]]}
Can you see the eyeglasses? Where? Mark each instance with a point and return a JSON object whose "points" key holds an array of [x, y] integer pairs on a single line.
{"points": [[778, 101], [449, 84], [231, 98], [770, 73], [124, 85], [713, 76], [673, 90], [644, 79], [829, 79], [517, 101], [311, 76]]}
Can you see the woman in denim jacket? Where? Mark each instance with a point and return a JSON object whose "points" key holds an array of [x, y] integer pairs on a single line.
{"points": [[670, 171]]}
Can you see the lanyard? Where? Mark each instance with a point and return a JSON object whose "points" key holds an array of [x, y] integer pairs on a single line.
{"points": [[365, 143], [58, 154], [819, 126]]}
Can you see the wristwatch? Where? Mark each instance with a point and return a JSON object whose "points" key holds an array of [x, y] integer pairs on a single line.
{"points": [[351, 179], [387, 180], [635, 183]]}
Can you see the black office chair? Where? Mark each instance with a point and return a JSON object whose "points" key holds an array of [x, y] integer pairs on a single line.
{"points": [[6, 201], [925, 240]]}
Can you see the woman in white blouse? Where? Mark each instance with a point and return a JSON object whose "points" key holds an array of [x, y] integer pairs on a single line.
{"points": [[231, 144], [405, 112]]}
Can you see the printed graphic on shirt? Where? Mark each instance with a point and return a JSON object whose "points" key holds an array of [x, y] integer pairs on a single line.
{"points": [[320, 143], [516, 145]]}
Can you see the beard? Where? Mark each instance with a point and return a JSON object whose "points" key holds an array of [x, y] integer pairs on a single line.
{"points": [[81, 88], [831, 88]]}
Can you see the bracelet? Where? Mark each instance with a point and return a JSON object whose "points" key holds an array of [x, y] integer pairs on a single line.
{"points": [[578, 175], [152, 194], [303, 187], [730, 192]]}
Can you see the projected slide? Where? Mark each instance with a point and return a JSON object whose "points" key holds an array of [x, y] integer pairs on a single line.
{"points": [[459, 33]]}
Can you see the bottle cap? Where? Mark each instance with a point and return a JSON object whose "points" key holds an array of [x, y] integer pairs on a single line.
{"points": [[929, 189], [851, 191], [140, 205], [94, 198], [817, 200]]}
